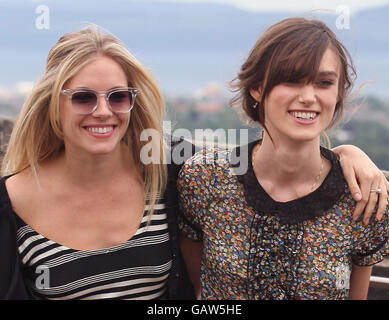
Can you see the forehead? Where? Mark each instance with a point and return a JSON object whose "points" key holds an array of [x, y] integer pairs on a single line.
{"points": [[330, 62], [303, 64], [100, 74]]}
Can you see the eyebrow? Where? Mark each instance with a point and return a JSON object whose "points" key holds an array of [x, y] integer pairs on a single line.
{"points": [[328, 73], [87, 88]]}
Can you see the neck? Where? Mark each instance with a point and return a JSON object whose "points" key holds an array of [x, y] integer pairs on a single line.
{"points": [[288, 164], [88, 170]]}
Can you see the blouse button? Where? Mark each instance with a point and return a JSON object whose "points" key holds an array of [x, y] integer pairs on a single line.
{"points": [[177, 275]]}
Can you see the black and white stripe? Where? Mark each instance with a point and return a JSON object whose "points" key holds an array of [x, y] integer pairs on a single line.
{"points": [[136, 269]]}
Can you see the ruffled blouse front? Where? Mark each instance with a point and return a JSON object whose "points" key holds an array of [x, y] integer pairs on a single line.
{"points": [[258, 248]]}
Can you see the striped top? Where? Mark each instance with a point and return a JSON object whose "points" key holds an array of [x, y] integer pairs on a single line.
{"points": [[136, 269]]}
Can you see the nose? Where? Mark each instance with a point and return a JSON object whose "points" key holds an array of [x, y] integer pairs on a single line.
{"points": [[307, 94], [102, 110]]}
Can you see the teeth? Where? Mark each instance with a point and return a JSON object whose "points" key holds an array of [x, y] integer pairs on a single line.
{"points": [[304, 115], [100, 129]]}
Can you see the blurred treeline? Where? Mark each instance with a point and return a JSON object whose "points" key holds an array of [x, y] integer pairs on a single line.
{"points": [[365, 123]]}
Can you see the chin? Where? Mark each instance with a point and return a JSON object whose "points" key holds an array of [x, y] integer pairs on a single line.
{"points": [[99, 149], [102, 151], [304, 137]]}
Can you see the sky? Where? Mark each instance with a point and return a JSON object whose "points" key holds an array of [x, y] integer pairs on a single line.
{"points": [[287, 5], [208, 54]]}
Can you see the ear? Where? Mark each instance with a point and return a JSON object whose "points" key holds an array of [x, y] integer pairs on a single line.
{"points": [[256, 94]]}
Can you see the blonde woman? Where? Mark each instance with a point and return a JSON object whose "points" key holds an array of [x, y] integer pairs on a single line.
{"points": [[283, 229], [81, 216]]}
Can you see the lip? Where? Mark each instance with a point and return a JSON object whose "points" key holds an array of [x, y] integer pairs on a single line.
{"points": [[304, 122]]}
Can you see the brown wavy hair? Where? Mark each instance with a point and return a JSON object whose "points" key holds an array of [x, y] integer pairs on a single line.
{"points": [[289, 51]]}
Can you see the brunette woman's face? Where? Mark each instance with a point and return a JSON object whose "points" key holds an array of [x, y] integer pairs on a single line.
{"points": [[101, 131], [300, 111]]}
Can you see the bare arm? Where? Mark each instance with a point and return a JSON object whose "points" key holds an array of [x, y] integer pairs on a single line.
{"points": [[362, 175], [192, 252], [359, 282]]}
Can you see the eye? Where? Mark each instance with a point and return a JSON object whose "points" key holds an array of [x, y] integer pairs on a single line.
{"points": [[325, 82], [119, 96], [83, 97]]}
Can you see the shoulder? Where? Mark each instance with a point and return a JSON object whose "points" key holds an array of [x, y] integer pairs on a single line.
{"points": [[6, 209], [17, 191], [208, 163], [177, 151], [335, 181], [17, 184]]}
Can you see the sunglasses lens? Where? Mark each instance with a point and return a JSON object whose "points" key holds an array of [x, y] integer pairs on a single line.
{"points": [[84, 101], [121, 101]]}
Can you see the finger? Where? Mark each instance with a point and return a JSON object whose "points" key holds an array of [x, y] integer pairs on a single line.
{"points": [[358, 210], [361, 205], [383, 201], [352, 183], [371, 204], [382, 204]]}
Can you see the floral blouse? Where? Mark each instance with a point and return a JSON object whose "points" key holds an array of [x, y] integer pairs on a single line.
{"points": [[258, 248]]}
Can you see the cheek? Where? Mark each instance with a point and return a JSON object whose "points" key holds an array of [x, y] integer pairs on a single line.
{"points": [[69, 122], [332, 101], [63, 118], [277, 102], [65, 113], [125, 122]]}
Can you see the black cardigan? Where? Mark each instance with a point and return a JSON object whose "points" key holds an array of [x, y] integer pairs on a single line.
{"points": [[12, 286]]}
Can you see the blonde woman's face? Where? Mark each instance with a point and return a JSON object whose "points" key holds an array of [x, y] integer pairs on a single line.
{"points": [[101, 131]]}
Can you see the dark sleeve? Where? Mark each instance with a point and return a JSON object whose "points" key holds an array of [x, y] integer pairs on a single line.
{"points": [[180, 286], [7, 253], [181, 150], [176, 145], [12, 285]]}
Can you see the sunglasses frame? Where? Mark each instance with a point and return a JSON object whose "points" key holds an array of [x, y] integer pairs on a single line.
{"points": [[70, 92]]}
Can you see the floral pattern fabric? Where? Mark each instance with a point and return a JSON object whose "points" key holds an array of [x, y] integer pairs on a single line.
{"points": [[258, 248]]}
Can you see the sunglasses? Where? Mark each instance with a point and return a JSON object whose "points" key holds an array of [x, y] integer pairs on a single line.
{"points": [[85, 101]]}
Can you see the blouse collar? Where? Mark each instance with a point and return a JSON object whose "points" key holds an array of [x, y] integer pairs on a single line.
{"points": [[312, 205]]}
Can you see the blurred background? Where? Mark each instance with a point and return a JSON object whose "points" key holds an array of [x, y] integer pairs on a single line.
{"points": [[194, 48]]}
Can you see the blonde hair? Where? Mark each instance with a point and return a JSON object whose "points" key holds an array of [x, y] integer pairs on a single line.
{"points": [[37, 133]]}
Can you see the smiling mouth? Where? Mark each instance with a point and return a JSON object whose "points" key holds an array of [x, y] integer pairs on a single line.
{"points": [[101, 130], [305, 116]]}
